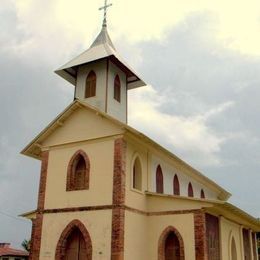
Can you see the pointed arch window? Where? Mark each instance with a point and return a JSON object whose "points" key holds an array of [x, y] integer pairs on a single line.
{"points": [[159, 180], [202, 194], [137, 174], [176, 185], [91, 82], [117, 89], [78, 172], [190, 190]]}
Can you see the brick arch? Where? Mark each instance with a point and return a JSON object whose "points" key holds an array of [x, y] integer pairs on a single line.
{"points": [[162, 240], [61, 246], [70, 171]]}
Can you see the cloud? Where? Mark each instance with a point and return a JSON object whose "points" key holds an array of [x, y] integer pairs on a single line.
{"points": [[188, 135], [137, 21]]}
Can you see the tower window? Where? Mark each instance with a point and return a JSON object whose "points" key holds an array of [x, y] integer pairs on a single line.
{"points": [[159, 180], [190, 190], [117, 89], [91, 81], [137, 174], [176, 185], [78, 172]]}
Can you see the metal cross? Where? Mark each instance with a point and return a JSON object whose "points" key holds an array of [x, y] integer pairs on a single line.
{"points": [[106, 5]]}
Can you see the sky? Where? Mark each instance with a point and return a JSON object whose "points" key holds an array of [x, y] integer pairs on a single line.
{"points": [[201, 60]]}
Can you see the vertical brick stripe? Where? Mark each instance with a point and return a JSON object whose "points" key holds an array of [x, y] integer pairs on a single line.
{"points": [[200, 236], [37, 223], [118, 212], [32, 239], [43, 178]]}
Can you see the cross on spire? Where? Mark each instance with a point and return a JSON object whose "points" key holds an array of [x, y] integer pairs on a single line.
{"points": [[105, 7]]}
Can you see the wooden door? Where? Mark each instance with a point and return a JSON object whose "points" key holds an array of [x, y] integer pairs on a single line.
{"points": [[76, 247], [212, 234], [172, 247]]}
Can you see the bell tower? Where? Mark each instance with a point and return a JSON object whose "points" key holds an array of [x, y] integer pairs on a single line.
{"points": [[101, 77]]}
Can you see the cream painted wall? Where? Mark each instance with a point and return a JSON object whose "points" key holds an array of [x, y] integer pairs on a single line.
{"points": [[228, 230], [83, 124], [98, 224], [116, 109], [184, 223], [136, 237], [136, 198], [100, 154], [169, 170], [99, 68]]}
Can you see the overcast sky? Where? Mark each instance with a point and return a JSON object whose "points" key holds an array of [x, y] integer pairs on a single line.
{"points": [[201, 60]]}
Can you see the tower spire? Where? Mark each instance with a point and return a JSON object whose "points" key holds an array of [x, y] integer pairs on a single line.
{"points": [[105, 7]]}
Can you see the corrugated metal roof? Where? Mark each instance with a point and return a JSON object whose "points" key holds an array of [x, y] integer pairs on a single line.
{"points": [[101, 48]]}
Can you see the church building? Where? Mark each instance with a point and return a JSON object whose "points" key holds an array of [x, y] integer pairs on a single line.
{"points": [[108, 191]]}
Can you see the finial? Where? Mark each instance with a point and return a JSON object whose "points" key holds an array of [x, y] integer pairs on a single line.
{"points": [[106, 5]]}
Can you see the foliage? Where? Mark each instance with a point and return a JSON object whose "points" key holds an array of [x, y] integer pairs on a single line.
{"points": [[26, 244]]}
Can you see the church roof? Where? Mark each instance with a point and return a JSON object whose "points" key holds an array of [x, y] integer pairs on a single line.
{"points": [[34, 148], [101, 48], [6, 250]]}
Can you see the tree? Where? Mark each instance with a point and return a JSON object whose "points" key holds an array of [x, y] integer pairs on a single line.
{"points": [[26, 244]]}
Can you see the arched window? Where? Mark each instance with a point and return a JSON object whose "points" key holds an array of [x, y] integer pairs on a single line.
{"points": [[190, 190], [91, 81], [137, 174], [78, 172], [159, 180], [176, 185], [117, 89], [202, 194]]}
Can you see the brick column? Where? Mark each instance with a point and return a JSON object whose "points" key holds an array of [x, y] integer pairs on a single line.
{"points": [[200, 236], [118, 212], [37, 223], [254, 246]]}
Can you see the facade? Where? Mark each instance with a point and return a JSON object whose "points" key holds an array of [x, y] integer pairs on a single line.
{"points": [[8, 253], [109, 192]]}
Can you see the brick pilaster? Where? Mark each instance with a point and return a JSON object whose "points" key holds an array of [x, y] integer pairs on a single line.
{"points": [[200, 236], [37, 223], [118, 212]]}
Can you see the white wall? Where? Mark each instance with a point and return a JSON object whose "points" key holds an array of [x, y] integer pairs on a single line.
{"points": [[168, 174]]}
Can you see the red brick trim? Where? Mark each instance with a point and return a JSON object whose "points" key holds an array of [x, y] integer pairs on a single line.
{"points": [[200, 236], [61, 246], [109, 207], [37, 223], [36, 237], [32, 239], [118, 213], [70, 172], [162, 239], [43, 179]]}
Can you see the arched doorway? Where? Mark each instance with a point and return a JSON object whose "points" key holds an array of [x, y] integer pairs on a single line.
{"points": [[74, 243], [171, 246], [233, 249]]}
